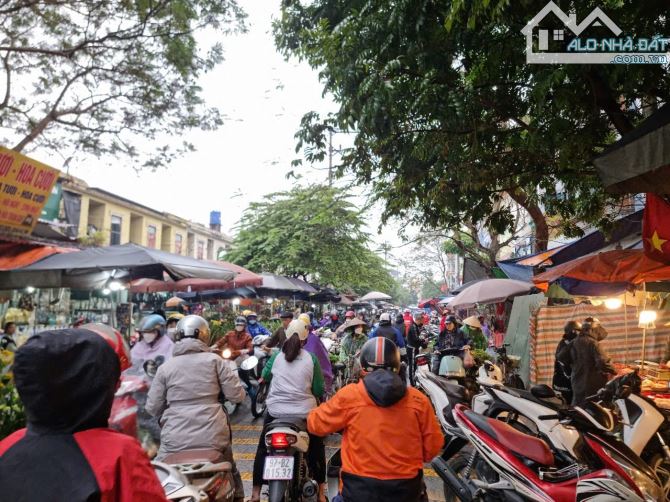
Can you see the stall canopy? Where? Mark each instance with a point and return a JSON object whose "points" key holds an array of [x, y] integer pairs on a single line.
{"points": [[244, 277], [278, 285], [94, 267], [640, 160], [604, 273], [489, 291], [18, 255]]}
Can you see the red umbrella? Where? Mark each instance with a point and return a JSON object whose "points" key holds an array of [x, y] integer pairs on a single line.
{"points": [[619, 265], [244, 277]]}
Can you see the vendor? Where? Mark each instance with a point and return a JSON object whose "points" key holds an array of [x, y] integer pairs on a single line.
{"points": [[472, 328], [7, 341]]}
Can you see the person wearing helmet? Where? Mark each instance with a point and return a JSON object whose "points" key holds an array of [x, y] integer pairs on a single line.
{"points": [[589, 362], [296, 386], [385, 329], [185, 396], [279, 336], [67, 451], [334, 321], [451, 337], [171, 325], [151, 341], [315, 346], [389, 430], [239, 341], [254, 328], [561, 380]]}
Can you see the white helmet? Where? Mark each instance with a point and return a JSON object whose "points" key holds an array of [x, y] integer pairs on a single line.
{"points": [[193, 326], [297, 327]]}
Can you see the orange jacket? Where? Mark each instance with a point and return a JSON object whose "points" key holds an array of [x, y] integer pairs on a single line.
{"points": [[380, 442]]}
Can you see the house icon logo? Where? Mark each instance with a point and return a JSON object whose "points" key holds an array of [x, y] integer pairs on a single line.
{"points": [[581, 50]]}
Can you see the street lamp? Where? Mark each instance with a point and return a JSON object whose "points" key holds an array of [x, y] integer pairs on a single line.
{"points": [[269, 301], [613, 303], [30, 290], [236, 303]]}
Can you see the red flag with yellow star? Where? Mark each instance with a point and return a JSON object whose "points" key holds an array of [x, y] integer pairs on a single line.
{"points": [[656, 228]]}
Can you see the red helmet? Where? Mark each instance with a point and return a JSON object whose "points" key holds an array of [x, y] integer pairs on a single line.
{"points": [[349, 314], [114, 339]]}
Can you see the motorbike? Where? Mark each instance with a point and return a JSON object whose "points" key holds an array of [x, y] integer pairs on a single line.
{"points": [[285, 467], [491, 460], [257, 389], [262, 356], [196, 476], [509, 365]]}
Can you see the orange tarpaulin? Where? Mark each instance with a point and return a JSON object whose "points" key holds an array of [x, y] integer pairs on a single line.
{"points": [[13, 255], [621, 265]]}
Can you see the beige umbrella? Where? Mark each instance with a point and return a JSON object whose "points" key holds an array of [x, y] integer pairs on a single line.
{"points": [[175, 301], [489, 291]]}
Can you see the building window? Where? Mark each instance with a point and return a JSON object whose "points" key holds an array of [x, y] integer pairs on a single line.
{"points": [[559, 34], [177, 243], [201, 250], [115, 231], [151, 237]]}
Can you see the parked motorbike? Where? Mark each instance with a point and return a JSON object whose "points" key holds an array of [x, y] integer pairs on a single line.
{"points": [[285, 467], [509, 365], [196, 476], [506, 464]]}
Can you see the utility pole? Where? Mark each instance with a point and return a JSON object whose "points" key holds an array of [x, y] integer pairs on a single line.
{"points": [[330, 157]]}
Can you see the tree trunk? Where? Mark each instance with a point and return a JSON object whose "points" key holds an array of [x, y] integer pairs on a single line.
{"points": [[541, 240]]}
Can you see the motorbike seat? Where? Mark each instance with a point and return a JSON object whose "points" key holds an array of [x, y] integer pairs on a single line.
{"points": [[339, 366], [454, 391], [542, 391], [517, 442], [554, 402], [298, 424], [194, 456]]}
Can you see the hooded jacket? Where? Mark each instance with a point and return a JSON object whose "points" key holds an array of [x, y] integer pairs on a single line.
{"points": [[66, 380], [590, 365], [389, 431], [185, 397], [142, 351]]}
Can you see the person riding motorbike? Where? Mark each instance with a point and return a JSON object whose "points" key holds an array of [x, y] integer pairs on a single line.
{"points": [[386, 330], [254, 328], [590, 364], [239, 341], [296, 386], [561, 380], [389, 430], [152, 342], [171, 325], [334, 321], [66, 380], [451, 337], [414, 343], [185, 396], [279, 336]]}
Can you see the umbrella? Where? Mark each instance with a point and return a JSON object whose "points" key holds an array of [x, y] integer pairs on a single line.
{"points": [[94, 267], [374, 296], [175, 301], [609, 272], [489, 291]]}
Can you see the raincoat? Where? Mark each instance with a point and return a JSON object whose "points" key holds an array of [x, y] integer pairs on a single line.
{"points": [[314, 346], [185, 395], [66, 380], [351, 345]]}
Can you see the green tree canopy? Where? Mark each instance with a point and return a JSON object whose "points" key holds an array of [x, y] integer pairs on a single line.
{"points": [[315, 233], [98, 75], [450, 120]]}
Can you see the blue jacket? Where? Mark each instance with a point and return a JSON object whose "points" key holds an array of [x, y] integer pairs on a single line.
{"points": [[257, 329], [387, 331]]}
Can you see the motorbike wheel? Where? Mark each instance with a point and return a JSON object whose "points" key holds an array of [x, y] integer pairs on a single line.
{"points": [[479, 470], [661, 467], [258, 405]]}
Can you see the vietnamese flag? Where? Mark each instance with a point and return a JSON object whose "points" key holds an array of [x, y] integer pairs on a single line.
{"points": [[656, 228]]}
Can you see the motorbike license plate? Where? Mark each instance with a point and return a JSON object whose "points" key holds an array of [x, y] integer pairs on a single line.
{"points": [[278, 468]]}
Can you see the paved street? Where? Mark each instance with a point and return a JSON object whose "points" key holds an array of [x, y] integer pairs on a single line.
{"points": [[246, 432]]}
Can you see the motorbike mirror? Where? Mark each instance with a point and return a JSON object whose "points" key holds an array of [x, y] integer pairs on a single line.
{"points": [[150, 368], [249, 363], [625, 392]]}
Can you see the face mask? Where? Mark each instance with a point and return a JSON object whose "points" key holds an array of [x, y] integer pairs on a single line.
{"points": [[358, 331], [171, 331], [239, 328], [252, 321], [149, 337]]}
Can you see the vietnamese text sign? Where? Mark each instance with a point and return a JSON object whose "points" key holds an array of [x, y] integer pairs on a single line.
{"points": [[25, 186]]}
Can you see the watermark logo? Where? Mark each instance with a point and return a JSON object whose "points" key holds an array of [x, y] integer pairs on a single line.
{"points": [[554, 37]]}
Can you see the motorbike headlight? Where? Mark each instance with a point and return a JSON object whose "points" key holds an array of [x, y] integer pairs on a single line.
{"points": [[649, 487], [226, 353]]}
